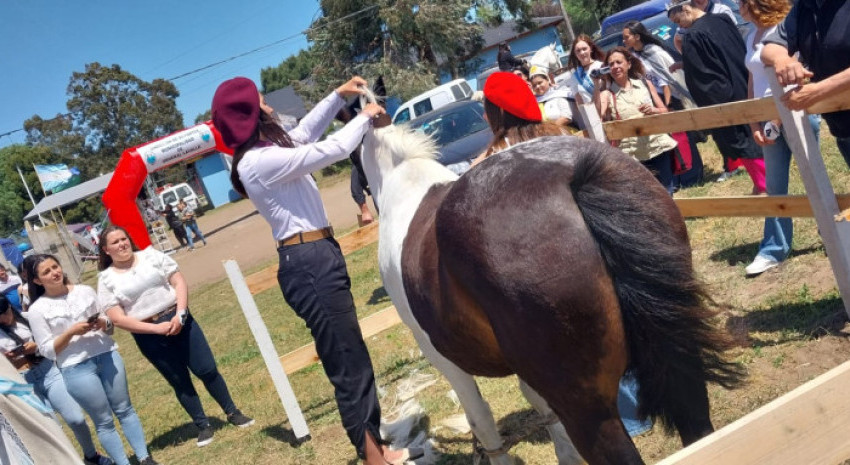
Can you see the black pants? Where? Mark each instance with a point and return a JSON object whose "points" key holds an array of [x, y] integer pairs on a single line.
{"points": [[315, 283], [175, 356]]}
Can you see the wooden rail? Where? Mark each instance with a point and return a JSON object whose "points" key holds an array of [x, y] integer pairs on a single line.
{"points": [[807, 425]]}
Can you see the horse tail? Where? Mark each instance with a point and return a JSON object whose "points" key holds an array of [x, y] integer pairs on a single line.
{"points": [[673, 344]]}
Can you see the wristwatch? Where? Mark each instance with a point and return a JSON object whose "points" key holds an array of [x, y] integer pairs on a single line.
{"points": [[183, 314]]}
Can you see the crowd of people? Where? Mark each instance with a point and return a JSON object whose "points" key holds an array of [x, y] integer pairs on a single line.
{"points": [[62, 345]]}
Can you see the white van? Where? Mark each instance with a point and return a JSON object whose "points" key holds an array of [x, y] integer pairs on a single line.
{"points": [[170, 196], [449, 92]]}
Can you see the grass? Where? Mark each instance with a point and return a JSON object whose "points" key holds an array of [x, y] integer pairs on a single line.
{"points": [[789, 323]]}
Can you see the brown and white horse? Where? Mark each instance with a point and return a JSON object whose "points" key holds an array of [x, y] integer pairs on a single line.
{"points": [[560, 260]]}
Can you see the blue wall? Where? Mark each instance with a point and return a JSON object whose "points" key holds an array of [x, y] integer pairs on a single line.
{"points": [[213, 172], [530, 43]]}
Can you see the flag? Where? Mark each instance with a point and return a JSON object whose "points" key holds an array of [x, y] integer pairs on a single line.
{"points": [[55, 178]]}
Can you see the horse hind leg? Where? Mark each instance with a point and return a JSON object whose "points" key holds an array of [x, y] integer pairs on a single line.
{"points": [[564, 448]]}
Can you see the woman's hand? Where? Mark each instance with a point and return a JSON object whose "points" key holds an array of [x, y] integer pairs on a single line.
{"points": [[758, 135], [162, 328], [80, 328], [354, 86], [174, 326], [30, 347], [802, 97], [373, 110], [647, 109], [790, 71]]}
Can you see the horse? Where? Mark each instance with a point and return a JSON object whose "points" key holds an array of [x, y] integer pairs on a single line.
{"points": [[546, 58], [560, 260]]}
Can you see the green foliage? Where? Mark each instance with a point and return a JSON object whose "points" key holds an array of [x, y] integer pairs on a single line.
{"points": [[295, 68], [13, 195], [110, 110], [409, 42]]}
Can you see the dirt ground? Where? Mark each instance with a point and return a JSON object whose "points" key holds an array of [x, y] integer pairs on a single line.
{"points": [[238, 232]]}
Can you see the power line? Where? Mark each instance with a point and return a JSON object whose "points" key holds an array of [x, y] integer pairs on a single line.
{"points": [[234, 57]]}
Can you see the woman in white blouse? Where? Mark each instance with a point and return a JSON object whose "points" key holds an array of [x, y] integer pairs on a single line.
{"points": [[144, 293], [68, 329]]}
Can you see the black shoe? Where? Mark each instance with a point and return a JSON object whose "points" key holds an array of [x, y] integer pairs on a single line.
{"points": [[238, 419], [149, 461], [205, 436], [98, 459]]}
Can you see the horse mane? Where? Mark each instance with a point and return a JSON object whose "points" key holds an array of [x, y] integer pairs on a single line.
{"points": [[404, 143]]}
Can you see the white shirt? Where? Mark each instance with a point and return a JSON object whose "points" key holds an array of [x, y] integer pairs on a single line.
{"points": [[278, 179], [141, 291], [52, 316], [11, 283], [761, 86], [7, 343]]}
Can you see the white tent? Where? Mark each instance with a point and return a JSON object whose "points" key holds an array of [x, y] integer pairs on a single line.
{"points": [[70, 195]]}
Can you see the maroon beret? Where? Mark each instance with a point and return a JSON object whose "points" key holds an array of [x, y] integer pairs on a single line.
{"points": [[512, 94], [236, 110]]}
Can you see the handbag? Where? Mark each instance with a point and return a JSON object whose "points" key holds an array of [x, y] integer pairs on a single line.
{"points": [[682, 156]]}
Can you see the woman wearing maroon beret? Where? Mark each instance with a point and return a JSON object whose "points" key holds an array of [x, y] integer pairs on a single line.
{"points": [[272, 168]]}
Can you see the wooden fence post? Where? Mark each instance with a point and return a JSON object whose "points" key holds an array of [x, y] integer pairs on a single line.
{"points": [[591, 118], [835, 232]]}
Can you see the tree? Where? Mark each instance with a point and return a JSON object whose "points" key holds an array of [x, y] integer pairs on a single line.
{"points": [[13, 195], [109, 110], [295, 68]]}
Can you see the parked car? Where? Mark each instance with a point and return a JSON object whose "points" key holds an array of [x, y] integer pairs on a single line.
{"points": [[171, 195], [658, 24], [433, 99], [460, 130]]}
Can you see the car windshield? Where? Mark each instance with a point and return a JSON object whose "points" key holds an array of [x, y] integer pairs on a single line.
{"points": [[451, 125], [169, 197]]}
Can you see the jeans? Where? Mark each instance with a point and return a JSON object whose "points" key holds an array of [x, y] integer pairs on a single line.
{"points": [[315, 283], [627, 404], [50, 387], [662, 168], [779, 232], [99, 385], [193, 226], [175, 356]]}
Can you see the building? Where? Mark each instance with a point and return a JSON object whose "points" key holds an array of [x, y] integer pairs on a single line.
{"points": [[545, 33]]}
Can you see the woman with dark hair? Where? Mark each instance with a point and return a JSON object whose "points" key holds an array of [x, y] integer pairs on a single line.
{"points": [[625, 94], [656, 57], [69, 330], [585, 57], [17, 344], [272, 168], [713, 56], [143, 292]]}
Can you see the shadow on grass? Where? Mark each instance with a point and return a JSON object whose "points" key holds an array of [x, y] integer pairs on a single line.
{"points": [[180, 434], [230, 223], [286, 435], [378, 295], [794, 321], [745, 253]]}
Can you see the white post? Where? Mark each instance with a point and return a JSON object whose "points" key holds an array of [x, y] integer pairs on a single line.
{"points": [[804, 146], [591, 119], [264, 341]]}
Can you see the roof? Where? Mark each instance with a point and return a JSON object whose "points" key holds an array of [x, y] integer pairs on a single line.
{"points": [[74, 194], [287, 102], [507, 31]]}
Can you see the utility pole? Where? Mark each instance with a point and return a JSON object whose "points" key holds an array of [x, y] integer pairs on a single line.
{"points": [[27, 187]]}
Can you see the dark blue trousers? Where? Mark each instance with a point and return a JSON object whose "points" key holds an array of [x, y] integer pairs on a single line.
{"points": [[315, 283], [175, 356]]}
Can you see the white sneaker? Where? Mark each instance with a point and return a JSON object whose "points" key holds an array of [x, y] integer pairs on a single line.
{"points": [[725, 176], [761, 264]]}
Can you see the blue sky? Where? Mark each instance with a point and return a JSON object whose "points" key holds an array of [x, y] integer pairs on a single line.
{"points": [[43, 42]]}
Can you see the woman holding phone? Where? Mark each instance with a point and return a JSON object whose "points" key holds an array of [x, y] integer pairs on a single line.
{"points": [[144, 293], [69, 330]]}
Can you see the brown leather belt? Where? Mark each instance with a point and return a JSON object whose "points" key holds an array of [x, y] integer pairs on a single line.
{"points": [[307, 236], [155, 318]]}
